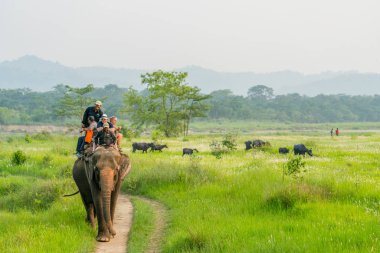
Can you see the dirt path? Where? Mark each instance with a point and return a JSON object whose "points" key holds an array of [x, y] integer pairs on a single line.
{"points": [[159, 225], [122, 225]]}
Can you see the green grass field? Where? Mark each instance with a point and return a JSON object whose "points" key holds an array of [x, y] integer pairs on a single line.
{"points": [[239, 203]]}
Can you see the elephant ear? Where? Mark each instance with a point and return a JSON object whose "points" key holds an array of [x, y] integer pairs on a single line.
{"points": [[125, 166], [90, 164], [89, 170]]}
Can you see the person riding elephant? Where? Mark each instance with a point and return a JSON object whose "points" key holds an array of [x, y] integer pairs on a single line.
{"points": [[105, 137], [94, 111], [98, 179]]}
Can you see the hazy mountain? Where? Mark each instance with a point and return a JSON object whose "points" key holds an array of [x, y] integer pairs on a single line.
{"points": [[41, 75]]}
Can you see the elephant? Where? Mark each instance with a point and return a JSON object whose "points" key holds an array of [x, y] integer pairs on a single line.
{"points": [[99, 177]]}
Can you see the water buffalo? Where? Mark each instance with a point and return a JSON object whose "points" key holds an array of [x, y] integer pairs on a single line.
{"points": [[259, 143], [188, 151], [283, 150], [158, 147], [300, 149], [248, 145], [141, 146]]}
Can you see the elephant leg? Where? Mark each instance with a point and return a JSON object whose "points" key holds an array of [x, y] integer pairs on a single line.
{"points": [[114, 196], [91, 215], [89, 206], [103, 233], [80, 179]]}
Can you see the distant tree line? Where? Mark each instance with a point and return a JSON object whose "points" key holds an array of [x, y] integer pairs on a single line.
{"points": [[261, 105], [167, 98]]}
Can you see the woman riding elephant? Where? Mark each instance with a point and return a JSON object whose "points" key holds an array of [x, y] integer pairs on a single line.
{"points": [[99, 180]]}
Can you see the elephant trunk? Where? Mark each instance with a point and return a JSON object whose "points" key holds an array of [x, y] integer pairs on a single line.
{"points": [[107, 186]]}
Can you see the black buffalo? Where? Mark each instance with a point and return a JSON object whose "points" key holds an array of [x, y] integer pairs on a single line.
{"points": [[158, 147], [188, 151], [300, 149], [141, 146], [259, 143], [248, 145], [283, 150]]}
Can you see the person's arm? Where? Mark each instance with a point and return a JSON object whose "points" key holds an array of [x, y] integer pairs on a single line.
{"points": [[96, 138], [113, 138], [99, 127], [100, 113], [112, 127], [85, 117]]}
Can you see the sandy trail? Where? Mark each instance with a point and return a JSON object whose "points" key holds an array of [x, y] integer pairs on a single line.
{"points": [[122, 225]]}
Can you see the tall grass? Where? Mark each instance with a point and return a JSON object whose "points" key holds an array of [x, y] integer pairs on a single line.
{"points": [[241, 204], [143, 225], [33, 215]]}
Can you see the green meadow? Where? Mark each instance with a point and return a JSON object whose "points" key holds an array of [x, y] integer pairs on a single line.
{"points": [[241, 202]]}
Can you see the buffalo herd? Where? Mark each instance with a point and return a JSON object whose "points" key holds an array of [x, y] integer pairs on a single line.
{"points": [[298, 149], [255, 144]]}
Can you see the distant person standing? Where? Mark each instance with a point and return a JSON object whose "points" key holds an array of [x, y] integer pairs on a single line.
{"points": [[337, 132], [332, 132]]}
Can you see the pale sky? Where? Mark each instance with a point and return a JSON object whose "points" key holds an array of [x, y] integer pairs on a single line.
{"points": [[236, 35]]}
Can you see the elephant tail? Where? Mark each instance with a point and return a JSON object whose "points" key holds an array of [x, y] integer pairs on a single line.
{"points": [[68, 195]]}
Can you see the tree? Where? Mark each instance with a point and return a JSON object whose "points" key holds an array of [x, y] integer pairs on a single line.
{"points": [[260, 92], [168, 101], [139, 108], [75, 101], [193, 106]]}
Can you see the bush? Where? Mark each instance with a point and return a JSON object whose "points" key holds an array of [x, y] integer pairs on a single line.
{"points": [[28, 139], [18, 157], [129, 133], [157, 135], [293, 167], [229, 141], [216, 149], [228, 144]]}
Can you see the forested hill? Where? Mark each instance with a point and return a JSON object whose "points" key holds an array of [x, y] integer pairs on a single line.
{"points": [[19, 106], [42, 75]]}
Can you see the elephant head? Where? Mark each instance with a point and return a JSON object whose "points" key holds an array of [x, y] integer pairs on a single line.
{"points": [[105, 171]]}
